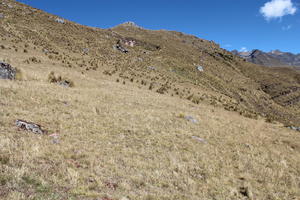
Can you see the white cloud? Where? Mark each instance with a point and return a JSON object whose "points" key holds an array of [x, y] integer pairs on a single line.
{"points": [[286, 28], [277, 9], [243, 49]]}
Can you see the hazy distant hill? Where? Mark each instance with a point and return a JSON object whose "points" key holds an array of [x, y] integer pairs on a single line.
{"points": [[273, 58]]}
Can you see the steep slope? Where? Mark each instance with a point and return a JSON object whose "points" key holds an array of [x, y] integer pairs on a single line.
{"points": [[115, 141], [226, 80], [145, 118]]}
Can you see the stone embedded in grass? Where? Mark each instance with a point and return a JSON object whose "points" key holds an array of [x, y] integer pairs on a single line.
{"points": [[152, 68], [7, 71], [199, 139], [191, 119], [29, 126], [85, 50], [200, 68], [295, 128], [65, 83]]}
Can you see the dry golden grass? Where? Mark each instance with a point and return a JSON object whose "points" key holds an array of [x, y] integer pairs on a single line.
{"points": [[115, 141], [120, 141]]}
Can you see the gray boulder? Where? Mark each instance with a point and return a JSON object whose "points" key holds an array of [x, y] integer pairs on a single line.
{"points": [[200, 68], [7, 71], [29, 126], [59, 20]]}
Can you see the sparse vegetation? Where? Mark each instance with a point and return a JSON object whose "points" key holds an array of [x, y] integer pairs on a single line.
{"points": [[111, 138]]}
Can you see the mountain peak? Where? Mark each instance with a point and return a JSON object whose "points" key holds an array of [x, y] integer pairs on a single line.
{"points": [[276, 52], [272, 58], [130, 24]]}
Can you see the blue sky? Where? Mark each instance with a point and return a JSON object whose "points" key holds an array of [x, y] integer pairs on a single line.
{"points": [[234, 24]]}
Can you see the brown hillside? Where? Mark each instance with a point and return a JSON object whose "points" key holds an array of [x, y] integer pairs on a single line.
{"points": [[227, 80], [130, 114]]}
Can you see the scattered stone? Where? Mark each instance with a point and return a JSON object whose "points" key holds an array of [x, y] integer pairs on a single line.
{"points": [[1, 15], [120, 48], [130, 24], [59, 20], [45, 51], [7, 71], [29, 126], [85, 50], [129, 42], [200, 68], [246, 191], [199, 139], [65, 83], [152, 68], [295, 128], [191, 119]]}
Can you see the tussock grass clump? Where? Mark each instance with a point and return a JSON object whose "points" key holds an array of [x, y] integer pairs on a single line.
{"points": [[270, 119], [52, 78], [19, 74], [151, 86]]}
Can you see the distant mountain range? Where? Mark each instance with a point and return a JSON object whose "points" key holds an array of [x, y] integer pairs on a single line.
{"points": [[274, 58]]}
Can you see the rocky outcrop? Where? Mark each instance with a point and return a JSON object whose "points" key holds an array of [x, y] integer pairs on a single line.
{"points": [[29, 126], [59, 20], [7, 71], [119, 47]]}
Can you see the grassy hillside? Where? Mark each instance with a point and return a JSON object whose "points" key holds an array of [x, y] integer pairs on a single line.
{"points": [[144, 124], [227, 80]]}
